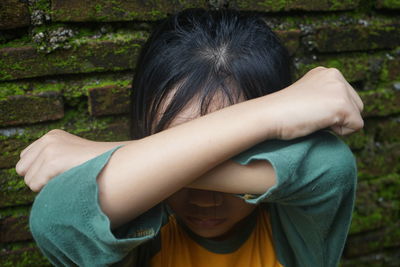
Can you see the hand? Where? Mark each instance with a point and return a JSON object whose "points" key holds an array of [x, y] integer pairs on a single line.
{"points": [[54, 153], [321, 99]]}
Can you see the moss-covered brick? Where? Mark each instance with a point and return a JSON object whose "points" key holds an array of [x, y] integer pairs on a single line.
{"points": [[290, 38], [377, 206], [118, 10], [354, 66], [357, 37], [387, 130], [26, 109], [108, 100], [377, 240], [389, 257], [76, 121], [381, 102], [74, 88], [14, 228], [113, 53], [22, 255], [377, 160], [388, 4], [13, 14], [391, 67], [13, 190], [376, 131], [282, 5], [9, 151], [359, 139]]}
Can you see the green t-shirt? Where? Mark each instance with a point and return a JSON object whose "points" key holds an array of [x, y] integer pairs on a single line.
{"points": [[310, 207]]}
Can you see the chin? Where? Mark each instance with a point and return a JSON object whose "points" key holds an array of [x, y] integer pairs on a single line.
{"points": [[210, 232]]}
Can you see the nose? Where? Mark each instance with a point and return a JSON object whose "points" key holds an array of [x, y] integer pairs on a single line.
{"points": [[205, 198]]}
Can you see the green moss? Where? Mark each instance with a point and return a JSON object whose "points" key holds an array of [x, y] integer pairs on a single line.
{"points": [[358, 140], [23, 41], [12, 88], [22, 254], [354, 66], [378, 203], [394, 4], [86, 36], [380, 102], [44, 5], [272, 5], [15, 211], [11, 180]]}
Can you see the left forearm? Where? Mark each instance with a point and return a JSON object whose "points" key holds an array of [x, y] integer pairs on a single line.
{"points": [[231, 177]]}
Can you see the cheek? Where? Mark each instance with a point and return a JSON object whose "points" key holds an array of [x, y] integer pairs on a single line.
{"points": [[177, 201], [231, 207], [239, 209]]}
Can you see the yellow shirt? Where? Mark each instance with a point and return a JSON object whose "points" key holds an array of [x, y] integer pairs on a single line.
{"points": [[178, 249]]}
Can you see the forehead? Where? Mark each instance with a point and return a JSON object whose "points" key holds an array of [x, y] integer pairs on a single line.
{"points": [[192, 109]]}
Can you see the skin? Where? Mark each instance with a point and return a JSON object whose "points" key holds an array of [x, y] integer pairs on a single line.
{"points": [[196, 153], [207, 213]]}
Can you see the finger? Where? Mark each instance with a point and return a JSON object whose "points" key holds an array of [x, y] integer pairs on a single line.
{"points": [[26, 149], [35, 178], [355, 97], [353, 93], [352, 123], [316, 70], [29, 157]]}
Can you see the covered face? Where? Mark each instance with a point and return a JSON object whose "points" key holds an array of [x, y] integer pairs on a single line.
{"points": [[209, 214]]}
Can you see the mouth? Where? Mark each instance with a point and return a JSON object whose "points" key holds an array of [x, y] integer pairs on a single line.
{"points": [[205, 222]]}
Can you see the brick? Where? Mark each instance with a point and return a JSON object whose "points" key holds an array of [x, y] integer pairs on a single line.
{"points": [[358, 140], [108, 100], [13, 14], [86, 56], [387, 130], [377, 160], [13, 190], [307, 5], [290, 39], [388, 4], [373, 241], [10, 149], [77, 122], [26, 109], [377, 205], [354, 67], [23, 255], [118, 10], [357, 37], [382, 102], [376, 131], [391, 71], [387, 258], [14, 228]]}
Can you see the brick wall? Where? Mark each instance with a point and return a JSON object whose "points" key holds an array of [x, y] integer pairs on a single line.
{"points": [[68, 64]]}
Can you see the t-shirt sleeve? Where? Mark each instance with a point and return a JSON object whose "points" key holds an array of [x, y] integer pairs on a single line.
{"points": [[313, 198], [70, 228]]}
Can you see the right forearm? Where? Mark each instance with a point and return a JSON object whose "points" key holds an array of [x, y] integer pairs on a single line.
{"points": [[144, 172]]}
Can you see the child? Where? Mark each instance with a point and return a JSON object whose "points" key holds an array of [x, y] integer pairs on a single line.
{"points": [[225, 169]]}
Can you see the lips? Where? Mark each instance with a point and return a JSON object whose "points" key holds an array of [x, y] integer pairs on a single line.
{"points": [[205, 222]]}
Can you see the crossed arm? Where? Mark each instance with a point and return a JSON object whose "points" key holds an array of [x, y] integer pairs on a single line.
{"points": [[197, 153]]}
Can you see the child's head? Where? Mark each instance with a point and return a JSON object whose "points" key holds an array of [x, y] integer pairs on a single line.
{"points": [[194, 63], [197, 54]]}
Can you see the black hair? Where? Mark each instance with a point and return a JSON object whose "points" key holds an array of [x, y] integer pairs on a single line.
{"points": [[202, 52]]}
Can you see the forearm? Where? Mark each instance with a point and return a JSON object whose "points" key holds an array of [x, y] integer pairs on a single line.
{"points": [[231, 177], [145, 172]]}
